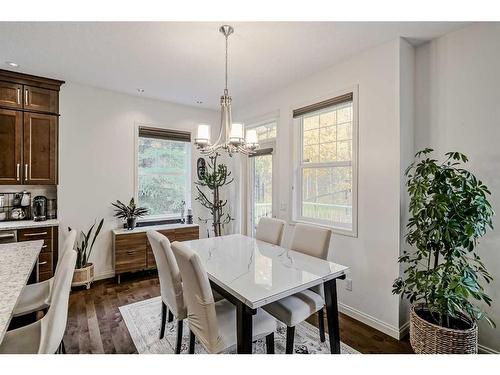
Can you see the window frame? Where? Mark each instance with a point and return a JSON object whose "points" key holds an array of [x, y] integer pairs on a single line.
{"points": [[298, 166], [188, 197]]}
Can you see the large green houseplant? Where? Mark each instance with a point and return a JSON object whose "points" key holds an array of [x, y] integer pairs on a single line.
{"points": [[443, 276]]}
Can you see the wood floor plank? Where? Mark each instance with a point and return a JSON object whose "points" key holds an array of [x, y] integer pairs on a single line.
{"points": [[95, 324]]}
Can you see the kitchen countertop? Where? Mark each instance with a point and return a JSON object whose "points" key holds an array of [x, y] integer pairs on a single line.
{"points": [[16, 263], [154, 227], [22, 224]]}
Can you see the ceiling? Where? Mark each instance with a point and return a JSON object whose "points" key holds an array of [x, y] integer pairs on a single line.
{"points": [[184, 62]]}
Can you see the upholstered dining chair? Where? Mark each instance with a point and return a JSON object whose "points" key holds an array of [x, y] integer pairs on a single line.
{"points": [[294, 309], [45, 336], [214, 323], [270, 230], [172, 300], [36, 297]]}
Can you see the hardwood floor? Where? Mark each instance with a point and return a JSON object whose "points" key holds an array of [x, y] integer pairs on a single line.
{"points": [[95, 324]]}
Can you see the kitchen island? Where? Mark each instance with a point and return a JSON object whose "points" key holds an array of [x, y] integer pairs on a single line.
{"points": [[16, 264]]}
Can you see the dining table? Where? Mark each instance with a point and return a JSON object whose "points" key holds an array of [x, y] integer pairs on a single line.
{"points": [[252, 273], [17, 261]]}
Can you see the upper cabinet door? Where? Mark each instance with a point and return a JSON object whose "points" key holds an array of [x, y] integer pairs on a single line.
{"points": [[10, 146], [11, 95], [42, 100], [40, 149]]}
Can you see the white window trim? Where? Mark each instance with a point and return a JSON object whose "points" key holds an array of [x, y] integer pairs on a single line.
{"points": [[136, 173], [272, 142], [296, 193]]}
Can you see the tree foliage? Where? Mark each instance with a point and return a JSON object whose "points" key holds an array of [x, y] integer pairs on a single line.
{"points": [[449, 212]]}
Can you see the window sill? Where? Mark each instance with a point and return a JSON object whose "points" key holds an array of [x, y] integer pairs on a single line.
{"points": [[336, 230]]}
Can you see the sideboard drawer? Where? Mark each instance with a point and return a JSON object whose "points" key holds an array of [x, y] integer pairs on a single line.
{"points": [[130, 252], [187, 234], [45, 262]]}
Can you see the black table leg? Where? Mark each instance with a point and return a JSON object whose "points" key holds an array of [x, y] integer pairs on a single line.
{"points": [[332, 315], [244, 328]]}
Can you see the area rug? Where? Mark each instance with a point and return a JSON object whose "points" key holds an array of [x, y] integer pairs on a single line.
{"points": [[143, 322]]}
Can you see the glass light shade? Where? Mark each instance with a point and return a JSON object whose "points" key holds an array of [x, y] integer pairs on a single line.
{"points": [[236, 133], [252, 137], [203, 135]]}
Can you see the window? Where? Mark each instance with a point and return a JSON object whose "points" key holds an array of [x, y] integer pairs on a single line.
{"points": [[163, 171], [326, 175], [260, 167]]}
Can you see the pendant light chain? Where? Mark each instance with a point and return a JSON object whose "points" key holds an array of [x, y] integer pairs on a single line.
{"points": [[227, 36]]}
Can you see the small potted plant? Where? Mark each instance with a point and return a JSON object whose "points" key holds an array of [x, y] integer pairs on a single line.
{"points": [[449, 212], [130, 212], [84, 271]]}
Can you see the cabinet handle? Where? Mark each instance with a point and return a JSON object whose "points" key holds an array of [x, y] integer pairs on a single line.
{"points": [[42, 263], [44, 246], [18, 96], [10, 235], [26, 97], [25, 172], [130, 252], [35, 234], [18, 171]]}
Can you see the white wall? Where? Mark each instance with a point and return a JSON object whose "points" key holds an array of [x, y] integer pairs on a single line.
{"points": [[458, 109], [373, 254], [96, 156]]}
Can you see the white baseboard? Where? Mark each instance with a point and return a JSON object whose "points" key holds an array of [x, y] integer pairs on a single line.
{"points": [[104, 275], [485, 350], [371, 321], [404, 330]]}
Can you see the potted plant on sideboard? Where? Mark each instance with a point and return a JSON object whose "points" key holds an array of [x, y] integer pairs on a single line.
{"points": [[130, 213], [449, 212], [84, 271]]}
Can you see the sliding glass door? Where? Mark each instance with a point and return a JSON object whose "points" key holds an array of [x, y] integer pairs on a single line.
{"points": [[261, 187]]}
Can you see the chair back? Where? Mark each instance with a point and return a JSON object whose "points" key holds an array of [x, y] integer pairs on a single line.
{"points": [[198, 296], [270, 230], [168, 273], [311, 240], [69, 243], [53, 325]]}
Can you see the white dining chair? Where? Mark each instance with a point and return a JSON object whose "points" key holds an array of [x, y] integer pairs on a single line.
{"points": [[294, 309], [172, 300], [45, 336], [214, 323], [270, 230], [36, 297]]}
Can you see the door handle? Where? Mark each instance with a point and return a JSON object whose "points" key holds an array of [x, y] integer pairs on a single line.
{"points": [[18, 171], [25, 172], [35, 234], [18, 96], [26, 97]]}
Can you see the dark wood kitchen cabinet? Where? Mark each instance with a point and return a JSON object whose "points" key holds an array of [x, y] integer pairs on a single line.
{"points": [[29, 116], [40, 149], [11, 130]]}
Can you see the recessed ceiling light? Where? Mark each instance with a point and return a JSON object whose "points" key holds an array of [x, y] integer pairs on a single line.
{"points": [[12, 64], [199, 102], [140, 91]]}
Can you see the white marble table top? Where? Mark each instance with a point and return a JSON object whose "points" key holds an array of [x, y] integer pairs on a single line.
{"points": [[258, 273], [16, 264]]}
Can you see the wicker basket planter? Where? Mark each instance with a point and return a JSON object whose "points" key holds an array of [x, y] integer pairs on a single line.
{"points": [[429, 338], [83, 276]]}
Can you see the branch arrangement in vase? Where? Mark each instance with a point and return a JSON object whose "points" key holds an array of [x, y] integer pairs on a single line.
{"points": [[449, 212], [214, 177], [130, 213]]}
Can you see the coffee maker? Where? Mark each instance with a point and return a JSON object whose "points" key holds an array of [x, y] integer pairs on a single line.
{"points": [[39, 208]]}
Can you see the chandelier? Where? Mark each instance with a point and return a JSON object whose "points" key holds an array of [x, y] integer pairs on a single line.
{"points": [[231, 135]]}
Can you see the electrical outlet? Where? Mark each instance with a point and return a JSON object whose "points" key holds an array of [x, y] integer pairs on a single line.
{"points": [[348, 284]]}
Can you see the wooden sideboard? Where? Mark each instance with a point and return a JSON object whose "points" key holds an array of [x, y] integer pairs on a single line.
{"points": [[132, 251]]}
